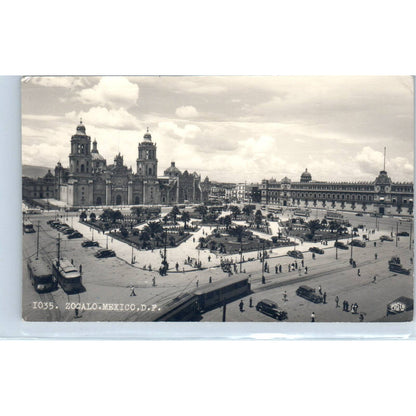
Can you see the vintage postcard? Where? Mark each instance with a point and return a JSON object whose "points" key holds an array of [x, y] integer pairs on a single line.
{"points": [[218, 199]]}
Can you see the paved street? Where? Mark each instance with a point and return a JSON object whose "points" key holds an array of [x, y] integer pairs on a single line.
{"points": [[109, 281]]}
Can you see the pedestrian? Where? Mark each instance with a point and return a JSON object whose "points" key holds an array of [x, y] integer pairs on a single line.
{"points": [[296, 264], [76, 313], [210, 279], [177, 266], [251, 302], [324, 297], [285, 296], [154, 281], [197, 283], [209, 258], [276, 269], [361, 317], [347, 306], [306, 270], [241, 305], [375, 256], [302, 263], [132, 292], [80, 268], [320, 290], [374, 278], [358, 272], [288, 267], [336, 301], [313, 317], [375, 244], [280, 268], [313, 256]]}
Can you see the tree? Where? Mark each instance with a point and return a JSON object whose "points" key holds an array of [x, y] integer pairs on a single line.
{"points": [[239, 230], [324, 222], [202, 242], [201, 210], [172, 241], [124, 232], [174, 213], [314, 226], [258, 218], [185, 218], [248, 209], [83, 216], [333, 225], [107, 215], [227, 221], [117, 216], [145, 237], [93, 217], [153, 228], [137, 211], [235, 211]]}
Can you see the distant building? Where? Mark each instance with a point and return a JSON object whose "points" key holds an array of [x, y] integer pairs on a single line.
{"points": [[381, 196], [90, 181]]}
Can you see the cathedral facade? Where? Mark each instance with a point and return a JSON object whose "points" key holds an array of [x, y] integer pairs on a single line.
{"points": [[90, 181]]}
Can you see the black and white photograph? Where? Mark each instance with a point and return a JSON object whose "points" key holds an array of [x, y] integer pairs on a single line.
{"points": [[217, 199]]}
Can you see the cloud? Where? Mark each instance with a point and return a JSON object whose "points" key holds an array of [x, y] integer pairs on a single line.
{"points": [[60, 82], [369, 160], [115, 92], [189, 131], [187, 111], [103, 117]]}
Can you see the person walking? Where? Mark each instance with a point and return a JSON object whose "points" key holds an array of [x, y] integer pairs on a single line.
{"points": [[154, 281], [132, 292], [210, 279], [303, 264], [347, 306], [320, 290], [285, 296], [375, 256], [313, 317], [337, 301], [374, 278], [324, 297], [251, 302], [358, 272], [361, 317], [197, 283], [276, 269], [241, 305], [306, 270], [280, 268]]}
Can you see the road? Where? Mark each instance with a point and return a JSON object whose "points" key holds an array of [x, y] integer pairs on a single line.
{"points": [[109, 281]]}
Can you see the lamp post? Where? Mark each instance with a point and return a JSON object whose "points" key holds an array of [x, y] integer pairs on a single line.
{"points": [[263, 279]]}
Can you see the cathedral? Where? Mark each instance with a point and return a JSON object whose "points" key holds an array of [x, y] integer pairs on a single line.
{"points": [[90, 181]]}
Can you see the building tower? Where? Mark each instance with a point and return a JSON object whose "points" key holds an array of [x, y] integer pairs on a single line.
{"points": [[147, 161], [80, 156]]}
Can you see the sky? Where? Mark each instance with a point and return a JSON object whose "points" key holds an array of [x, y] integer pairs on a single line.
{"points": [[231, 129]]}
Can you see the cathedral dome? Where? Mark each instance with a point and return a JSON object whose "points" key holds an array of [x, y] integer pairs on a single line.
{"points": [[172, 170], [81, 128], [147, 137], [306, 176], [285, 180]]}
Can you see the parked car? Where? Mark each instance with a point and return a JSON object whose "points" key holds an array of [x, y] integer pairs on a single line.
{"points": [[385, 238], [309, 294], [398, 268], [401, 304], [295, 253], [316, 250], [89, 243], [104, 252], [358, 214], [403, 234], [75, 234], [357, 243], [67, 231], [341, 245], [270, 308]]}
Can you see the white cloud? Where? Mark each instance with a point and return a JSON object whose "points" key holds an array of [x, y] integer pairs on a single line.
{"points": [[189, 131], [369, 160], [186, 111], [103, 117], [116, 92], [62, 82]]}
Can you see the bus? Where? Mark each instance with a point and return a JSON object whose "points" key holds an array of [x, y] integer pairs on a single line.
{"points": [[28, 227], [333, 216], [32, 211], [68, 276], [216, 294], [40, 274], [302, 212]]}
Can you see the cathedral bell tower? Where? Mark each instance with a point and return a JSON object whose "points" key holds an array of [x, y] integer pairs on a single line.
{"points": [[147, 161], [80, 156]]}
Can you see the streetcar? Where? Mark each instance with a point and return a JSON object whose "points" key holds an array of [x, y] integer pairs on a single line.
{"points": [[302, 212], [41, 276], [28, 227], [182, 308], [333, 216], [216, 294], [68, 276]]}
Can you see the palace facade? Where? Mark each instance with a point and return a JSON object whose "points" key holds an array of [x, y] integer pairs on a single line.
{"points": [[381, 196], [90, 181]]}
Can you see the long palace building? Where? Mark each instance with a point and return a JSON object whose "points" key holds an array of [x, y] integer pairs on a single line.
{"points": [[382, 196], [89, 181]]}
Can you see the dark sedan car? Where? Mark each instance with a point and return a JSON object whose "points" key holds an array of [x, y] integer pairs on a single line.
{"points": [[357, 243], [403, 234], [308, 293], [89, 243], [67, 231], [270, 308], [75, 234], [341, 245], [316, 250], [104, 252], [385, 238], [295, 253]]}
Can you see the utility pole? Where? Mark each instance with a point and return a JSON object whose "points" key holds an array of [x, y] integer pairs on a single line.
{"points": [[106, 241], [224, 310], [263, 279], [59, 250], [397, 231], [37, 242], [410, 235], [336, 246], [132, 258]]}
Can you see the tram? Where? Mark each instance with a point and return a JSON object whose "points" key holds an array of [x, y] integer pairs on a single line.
{"points": [[302, 212], [28, 227], [216, 294], [182, 308], [68, 276], [41, 276], [333, 216]]}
